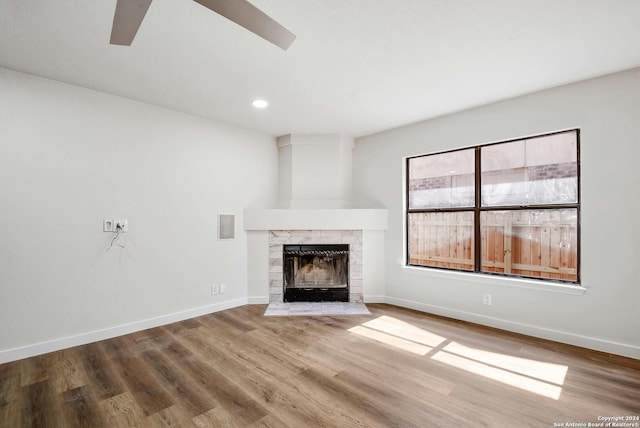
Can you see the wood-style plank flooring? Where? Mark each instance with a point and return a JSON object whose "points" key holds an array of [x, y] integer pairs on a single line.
{"points": [[395, 368]]}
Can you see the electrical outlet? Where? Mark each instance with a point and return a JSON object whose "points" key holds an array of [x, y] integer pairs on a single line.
{"points": [[223, 288], [486, 300], [121, 225], [215, 289]]}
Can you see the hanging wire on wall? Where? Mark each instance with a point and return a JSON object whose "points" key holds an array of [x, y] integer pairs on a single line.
{"points": [[116, 238]]}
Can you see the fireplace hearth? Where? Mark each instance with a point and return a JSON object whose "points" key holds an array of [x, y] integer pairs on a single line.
{"points": [[316, 273]]}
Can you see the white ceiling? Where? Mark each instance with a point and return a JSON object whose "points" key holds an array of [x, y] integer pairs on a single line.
{"points": [[357, 66]]}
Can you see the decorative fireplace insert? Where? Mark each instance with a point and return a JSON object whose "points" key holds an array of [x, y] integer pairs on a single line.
{"points": [[316, 273]]}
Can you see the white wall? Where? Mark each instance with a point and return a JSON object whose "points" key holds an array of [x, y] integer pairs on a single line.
{"points": [[606, 316], [373, 266], [71, 157], [315, 171], [285, 170], [258, 275]]}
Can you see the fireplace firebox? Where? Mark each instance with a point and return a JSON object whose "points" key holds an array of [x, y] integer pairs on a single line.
{"points": [[316, 273]]}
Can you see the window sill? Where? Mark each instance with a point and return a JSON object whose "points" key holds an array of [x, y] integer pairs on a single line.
{"points": [[495, 280]]}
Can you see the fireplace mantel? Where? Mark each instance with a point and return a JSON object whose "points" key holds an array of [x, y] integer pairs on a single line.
{"points": [[316, 219]]}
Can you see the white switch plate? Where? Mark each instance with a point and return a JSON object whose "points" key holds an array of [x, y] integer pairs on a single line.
{"points": [[215, 289], [223, 288], [107, 225]]}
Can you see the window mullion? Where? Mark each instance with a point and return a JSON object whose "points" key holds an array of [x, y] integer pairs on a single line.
{"points": [[477, 238]]}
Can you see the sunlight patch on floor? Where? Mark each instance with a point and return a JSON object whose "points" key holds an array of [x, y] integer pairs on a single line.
{"points": [[404, 330], [548, 372], [397, 342], [519, 381], [539, 377]]}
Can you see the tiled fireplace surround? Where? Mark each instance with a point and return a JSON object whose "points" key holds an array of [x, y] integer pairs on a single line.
{"points": [[279, 238]]}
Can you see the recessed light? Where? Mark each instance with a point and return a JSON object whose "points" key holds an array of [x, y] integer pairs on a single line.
{"points": [[260, 104]]}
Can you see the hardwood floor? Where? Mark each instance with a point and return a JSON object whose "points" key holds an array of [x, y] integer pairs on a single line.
{"points": [[395, 368]]}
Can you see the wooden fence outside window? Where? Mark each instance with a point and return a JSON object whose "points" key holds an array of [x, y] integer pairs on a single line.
{"points": [[539, 244]]}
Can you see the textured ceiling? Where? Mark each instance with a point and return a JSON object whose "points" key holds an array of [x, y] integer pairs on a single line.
{"points": [[357, 66]]}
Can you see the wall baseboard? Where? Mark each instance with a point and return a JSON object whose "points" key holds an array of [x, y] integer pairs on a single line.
{"points": [[375, 299], [593, 343], [530, 330], [108, 333]]}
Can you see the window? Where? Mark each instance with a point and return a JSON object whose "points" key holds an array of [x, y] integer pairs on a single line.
{"points": [[509, 208]]}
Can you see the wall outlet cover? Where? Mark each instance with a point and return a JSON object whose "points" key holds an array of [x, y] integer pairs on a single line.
{"points": [[486, 300], [107, 225], [121, 224]]}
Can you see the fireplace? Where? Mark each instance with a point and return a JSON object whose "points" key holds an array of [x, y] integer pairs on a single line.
{"points": [[343, 248], [315, 273]]}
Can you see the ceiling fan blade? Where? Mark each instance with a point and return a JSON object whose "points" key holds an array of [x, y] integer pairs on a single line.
{"points": [[253, 19], [127, 19]]}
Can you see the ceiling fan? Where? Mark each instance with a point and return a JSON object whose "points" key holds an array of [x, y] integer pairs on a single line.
{"points": [[130, 13]]}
